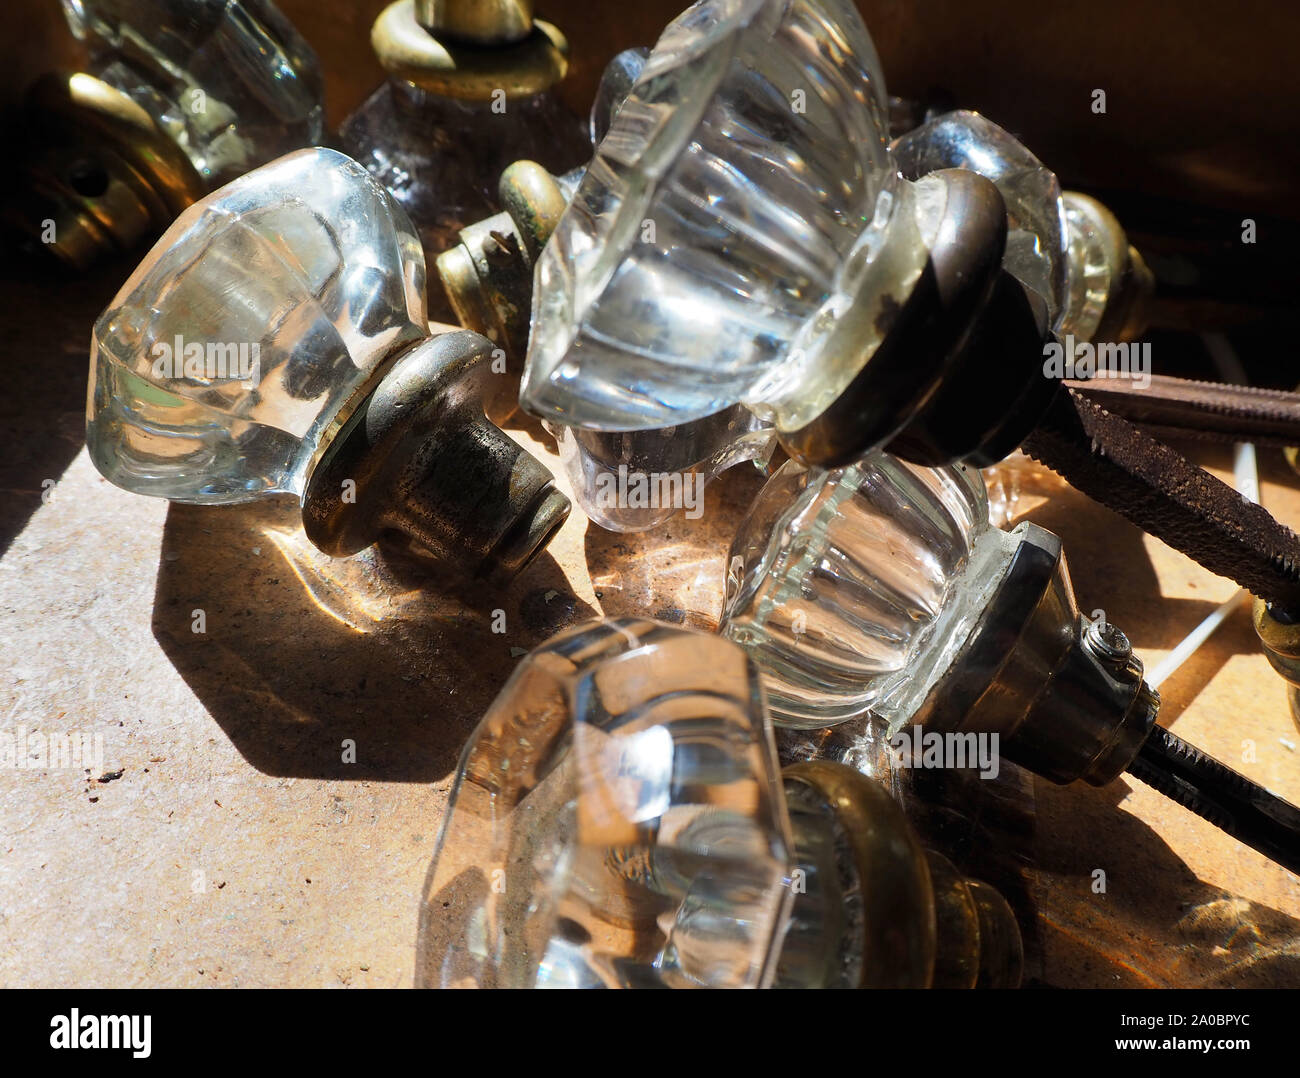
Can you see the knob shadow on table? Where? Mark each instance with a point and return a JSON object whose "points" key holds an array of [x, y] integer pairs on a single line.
{"points": [[301, 653]]}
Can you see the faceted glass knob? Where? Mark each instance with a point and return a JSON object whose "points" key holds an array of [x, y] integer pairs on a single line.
{"points": [[219, 364], [232, 83], [275, 341], [617, 821]]}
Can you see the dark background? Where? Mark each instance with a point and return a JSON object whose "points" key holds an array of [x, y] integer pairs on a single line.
{"points": [[1202, 96]]}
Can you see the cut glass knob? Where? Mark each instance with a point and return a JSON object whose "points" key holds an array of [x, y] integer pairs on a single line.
{"points": [[232, 83], [837, 578], [618, 820], [882, 588], [275, 341]]}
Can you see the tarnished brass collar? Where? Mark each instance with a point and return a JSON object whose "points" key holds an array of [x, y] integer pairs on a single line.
{"points": [[1127, 312], [417, 456], [469, 72], [99, 169], [898, 916], [923, 334], [488, 275], [484, 22], [1064, 701], [1281, 641], [924, 924]]}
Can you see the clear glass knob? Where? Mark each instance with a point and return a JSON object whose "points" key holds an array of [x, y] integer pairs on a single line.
{"points": [[230, 81], [881, 589], [742, 200], [617, 821], [851, 587], [1110, 283], [275, 341], [218, 366]]}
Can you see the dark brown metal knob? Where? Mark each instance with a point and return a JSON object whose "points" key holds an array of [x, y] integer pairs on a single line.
{"points": [[419, 457], [925, 335]]}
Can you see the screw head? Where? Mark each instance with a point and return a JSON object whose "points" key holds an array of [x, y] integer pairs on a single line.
{"points": [[1107, 642]]}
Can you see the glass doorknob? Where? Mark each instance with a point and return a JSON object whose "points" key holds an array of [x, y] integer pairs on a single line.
{"points": [[275, 341], [619, 820], [742, 237]]}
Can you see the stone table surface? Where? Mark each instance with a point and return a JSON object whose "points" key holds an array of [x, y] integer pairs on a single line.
{"points": [[224, 840]]}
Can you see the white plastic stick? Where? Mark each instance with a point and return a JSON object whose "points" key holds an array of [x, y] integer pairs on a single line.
{"points": [[1193, 640]]}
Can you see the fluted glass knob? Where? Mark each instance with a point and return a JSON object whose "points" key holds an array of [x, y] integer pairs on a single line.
{"points": [[275, 341], [617, 821], [882, 589], [837, 580], [741, 192], [232, 83]]}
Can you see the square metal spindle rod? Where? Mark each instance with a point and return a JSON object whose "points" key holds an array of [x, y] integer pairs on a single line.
{"points": [[1152, 485]]}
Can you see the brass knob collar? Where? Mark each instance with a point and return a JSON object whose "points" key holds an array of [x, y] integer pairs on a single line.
{"points": [[447, 64]]}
